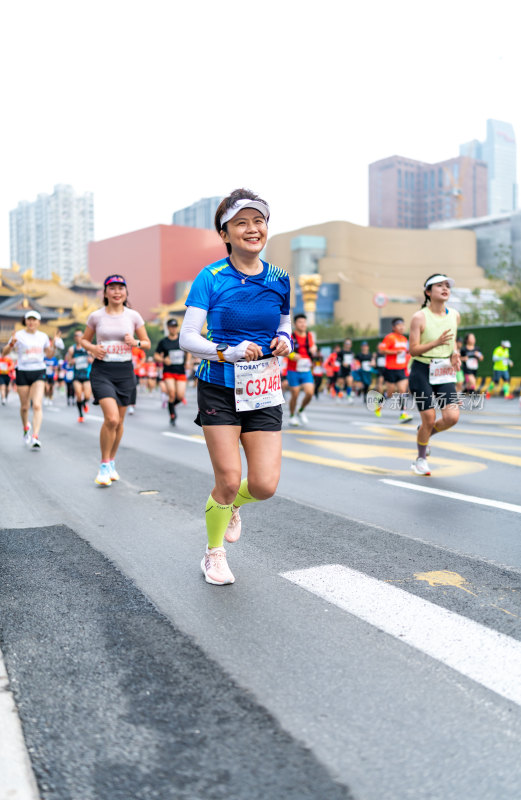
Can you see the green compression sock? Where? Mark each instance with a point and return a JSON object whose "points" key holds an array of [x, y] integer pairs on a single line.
{"points": [[217, 519], [243, 495]]}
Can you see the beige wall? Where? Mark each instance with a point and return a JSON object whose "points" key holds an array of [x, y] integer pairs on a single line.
{"points": [[364, 261]]}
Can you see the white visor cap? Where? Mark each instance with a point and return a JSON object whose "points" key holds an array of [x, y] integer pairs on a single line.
{"points": [[439, 279], [33, 314], [505, 343], [245, 203]]}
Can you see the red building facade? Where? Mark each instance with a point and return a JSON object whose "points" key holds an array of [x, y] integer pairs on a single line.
{"points": [[154, 260]]}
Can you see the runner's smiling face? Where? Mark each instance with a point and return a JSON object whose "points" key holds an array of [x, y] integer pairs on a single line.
{"points": [[246, 232], [32, 324], [116, 293]]}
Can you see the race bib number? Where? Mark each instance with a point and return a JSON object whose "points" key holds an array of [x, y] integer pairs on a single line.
{"points": [[49, 371], [366, 366], [380, 361], [303, 365], [117, 351], [4, 367], [257, 384], [32, 354], [176, 357], [347, 359], [81, 363], [472, 363], [441, 371], [401, 357]]}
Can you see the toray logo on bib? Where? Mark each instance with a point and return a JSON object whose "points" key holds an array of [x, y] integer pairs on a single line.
{"points": [[257, 384], [441, 371]]}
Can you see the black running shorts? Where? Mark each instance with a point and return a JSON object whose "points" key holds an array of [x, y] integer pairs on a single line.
{"points": [[216, 406], [26, 377], [394, 375], [113, 379], [427, 396]]}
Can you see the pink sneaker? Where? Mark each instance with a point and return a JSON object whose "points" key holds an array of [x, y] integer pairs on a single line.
{"points": [[233, 531], [215, 567]]}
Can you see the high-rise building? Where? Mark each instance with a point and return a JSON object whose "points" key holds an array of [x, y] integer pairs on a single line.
{"points": [[198, 215], [500, 154], [405, 193], [52, 233]]}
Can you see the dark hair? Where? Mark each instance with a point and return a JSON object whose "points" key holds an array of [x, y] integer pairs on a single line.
{"points": [[172, 321], [427, 297], [115, 275], [299, 316], [466, 340], [229, 202], [396, 320]]}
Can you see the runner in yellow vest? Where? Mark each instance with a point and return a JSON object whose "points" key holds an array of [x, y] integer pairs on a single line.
{"points": [[501, 362], [435, 361]]}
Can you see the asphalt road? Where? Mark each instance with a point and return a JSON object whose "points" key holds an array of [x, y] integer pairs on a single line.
{"points": [[370, 647]]}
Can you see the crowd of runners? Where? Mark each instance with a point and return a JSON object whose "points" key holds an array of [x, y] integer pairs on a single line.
{"points": [[251, 359]]}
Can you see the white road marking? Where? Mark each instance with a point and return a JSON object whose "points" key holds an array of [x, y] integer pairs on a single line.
{"points": [[466, 498], [196, 439], [486, 656], [17, 780]]}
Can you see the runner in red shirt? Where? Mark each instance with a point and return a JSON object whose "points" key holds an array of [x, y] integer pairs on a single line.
{"points": [[332, 368], [6, 367], [395, 346], [300, 377]]}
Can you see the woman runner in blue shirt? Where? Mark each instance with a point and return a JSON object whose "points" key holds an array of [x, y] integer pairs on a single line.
{"points": [[245, 303]]}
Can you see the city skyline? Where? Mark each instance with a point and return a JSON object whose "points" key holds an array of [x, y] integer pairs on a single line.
{"points": [[50, 234], [147, 135]]}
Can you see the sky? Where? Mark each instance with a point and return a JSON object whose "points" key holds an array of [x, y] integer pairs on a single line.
{"points": [[153, 105]]}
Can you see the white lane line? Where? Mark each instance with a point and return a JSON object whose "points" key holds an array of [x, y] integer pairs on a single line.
{"points": [[196, 439], [480, 653], [466, 498], [17, 780]]}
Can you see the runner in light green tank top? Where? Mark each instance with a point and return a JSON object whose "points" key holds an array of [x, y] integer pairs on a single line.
{"points": [[432, 382]]}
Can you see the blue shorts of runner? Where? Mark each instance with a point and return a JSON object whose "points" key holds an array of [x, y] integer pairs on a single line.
{"points": [[365, 377], [299, 378], [500, 375], [394, 375], [426, 395], [216, 406], [114, 379], [26, 377]]}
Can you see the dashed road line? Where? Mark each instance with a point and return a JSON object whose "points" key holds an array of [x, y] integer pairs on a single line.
{"points": [[196, 439], [466, 498], [482, 654]]}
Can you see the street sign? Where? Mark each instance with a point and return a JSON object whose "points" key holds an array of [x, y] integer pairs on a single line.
{"points": [[380, 299]]}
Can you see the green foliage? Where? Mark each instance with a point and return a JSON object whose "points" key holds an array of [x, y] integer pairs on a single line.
{"points": [[155, 333], [338, 331], [510, 308]]}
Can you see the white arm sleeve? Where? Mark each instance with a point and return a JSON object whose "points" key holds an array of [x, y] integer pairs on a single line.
{"points": [[190, 338], [285, 324]]}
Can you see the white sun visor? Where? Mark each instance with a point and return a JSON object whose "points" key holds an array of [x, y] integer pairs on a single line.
{"points": [[439, 279], [245, 203]]}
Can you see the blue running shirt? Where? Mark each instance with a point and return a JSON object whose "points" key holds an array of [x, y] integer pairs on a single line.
{"points": [[238, 311]]}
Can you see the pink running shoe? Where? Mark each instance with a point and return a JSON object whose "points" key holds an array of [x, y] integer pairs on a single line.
{"points": [[233, 531], [215, 567]]}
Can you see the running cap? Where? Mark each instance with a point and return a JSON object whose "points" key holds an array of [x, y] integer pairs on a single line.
{"points": [[364, 344], [172, 321], [245, 203], [115, 279], [439, 279], [32, 313], [505, 343]]}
